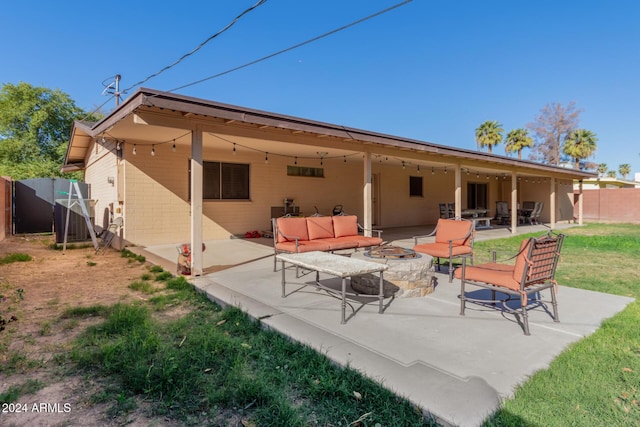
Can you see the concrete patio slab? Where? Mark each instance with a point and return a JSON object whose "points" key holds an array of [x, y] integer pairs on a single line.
{"points": [[458, 368]]}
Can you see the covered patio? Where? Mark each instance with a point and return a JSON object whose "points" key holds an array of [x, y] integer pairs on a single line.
{"points": [[182, 169]]}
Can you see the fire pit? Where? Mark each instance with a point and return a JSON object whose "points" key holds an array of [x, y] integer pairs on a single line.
{"points": [[410, 274], [393, 252]]}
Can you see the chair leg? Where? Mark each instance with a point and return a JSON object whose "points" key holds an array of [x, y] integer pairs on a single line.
{"points": [[462, 297], [450, 270], [554, 303], [525, 315]]}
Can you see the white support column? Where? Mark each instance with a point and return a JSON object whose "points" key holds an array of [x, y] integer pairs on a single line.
{"points": [[367, 221], [458, 192], [580, 199], [552, 203], [514, 202], [196, 202]]}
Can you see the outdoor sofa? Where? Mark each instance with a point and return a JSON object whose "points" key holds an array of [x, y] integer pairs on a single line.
{"points": [[320, 233]]}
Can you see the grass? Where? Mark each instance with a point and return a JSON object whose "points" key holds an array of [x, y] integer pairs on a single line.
{"points": [[15, 257], [213, 362], [596, 381]]}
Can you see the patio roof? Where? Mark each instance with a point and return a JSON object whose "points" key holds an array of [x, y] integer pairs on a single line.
{"points": [[158, 117]]}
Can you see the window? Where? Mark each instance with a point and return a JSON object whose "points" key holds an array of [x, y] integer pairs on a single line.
{"points": [[477, 195], [224, 181], [305, 171], [415, 186]]}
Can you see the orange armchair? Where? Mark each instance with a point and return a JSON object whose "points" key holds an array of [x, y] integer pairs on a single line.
{"points": [[453, 239]]}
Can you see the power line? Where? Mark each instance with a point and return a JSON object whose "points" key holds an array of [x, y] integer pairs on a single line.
{"points": [[200, 46], [264, 58]]}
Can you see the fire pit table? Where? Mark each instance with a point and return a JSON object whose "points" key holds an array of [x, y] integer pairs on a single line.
{"points": [[409, 273]]}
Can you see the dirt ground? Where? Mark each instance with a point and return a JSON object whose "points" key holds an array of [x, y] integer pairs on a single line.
{"points": [[36, 293]]}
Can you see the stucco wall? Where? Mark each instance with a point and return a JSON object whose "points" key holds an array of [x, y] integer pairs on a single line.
{"points": [[611, 205]]}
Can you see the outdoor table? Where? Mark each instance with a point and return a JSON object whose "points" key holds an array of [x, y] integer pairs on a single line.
{"points": [[338, 266]]}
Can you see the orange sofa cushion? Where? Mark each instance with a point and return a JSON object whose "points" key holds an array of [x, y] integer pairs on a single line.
{"points": [[291, 227], [345, 225], [304, 246], [320, 227]]}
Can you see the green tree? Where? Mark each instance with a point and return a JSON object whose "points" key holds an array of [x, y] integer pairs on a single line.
{"points": [[489, 134], [35, 125], [516, 140], [624, 170], [580, 144], [550, 129], [602, 169], [611, 174]]}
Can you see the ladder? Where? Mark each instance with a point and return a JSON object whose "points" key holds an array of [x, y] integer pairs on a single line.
{"points": [[74, 187]]}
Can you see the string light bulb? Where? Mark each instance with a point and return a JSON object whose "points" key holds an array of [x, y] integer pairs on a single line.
{"points": [[266, 157], [153, 150], [433, 170], [174, 146], [295, 162], [418, 168], [134, 149], [445, 170], [234, 148]]}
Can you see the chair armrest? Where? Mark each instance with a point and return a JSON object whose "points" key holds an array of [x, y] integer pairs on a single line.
{"points": [[415, 238]]}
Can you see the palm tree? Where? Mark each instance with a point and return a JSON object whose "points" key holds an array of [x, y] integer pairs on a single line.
{"points": [[602, 169], [624, 170], [489, 134], [580, 144], [611, 174], [516, 140]]}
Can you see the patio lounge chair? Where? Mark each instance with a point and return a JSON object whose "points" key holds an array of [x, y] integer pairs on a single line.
{"points": [[453, 239], [535, 215], [534, 271], [444, 211], [502, 213]]}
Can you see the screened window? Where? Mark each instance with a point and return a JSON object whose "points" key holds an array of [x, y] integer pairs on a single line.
{"points": [[225, 181]]}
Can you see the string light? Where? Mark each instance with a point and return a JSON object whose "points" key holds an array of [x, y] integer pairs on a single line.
{"points": [[403, 165], [153, 150], [134, 149], [433, 171], [445, 170], [418, 168], [266, 157], [234, 148], [174, 146], [345, 159], [295, 162]]}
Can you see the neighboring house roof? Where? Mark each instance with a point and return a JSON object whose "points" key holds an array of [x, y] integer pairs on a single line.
{"points": [[168, 110], [607, 182]]}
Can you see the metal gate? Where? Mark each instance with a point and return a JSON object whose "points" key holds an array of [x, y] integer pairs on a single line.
{"points": [[35, 204]]}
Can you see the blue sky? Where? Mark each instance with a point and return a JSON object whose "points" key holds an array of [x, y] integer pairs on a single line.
{"points": [[429, 70]]}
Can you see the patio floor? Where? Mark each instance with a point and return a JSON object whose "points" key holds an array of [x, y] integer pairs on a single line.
{"points": [[456, 367]]}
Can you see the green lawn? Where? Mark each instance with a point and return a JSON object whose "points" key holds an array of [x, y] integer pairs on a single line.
{"points": [[596, 381]]}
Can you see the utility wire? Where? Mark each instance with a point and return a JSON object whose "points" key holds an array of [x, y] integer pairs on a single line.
{"points": [[200, 46], [264, 58]]}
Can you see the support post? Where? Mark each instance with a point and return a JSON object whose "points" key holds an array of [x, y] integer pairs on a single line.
{"points": [[514, 202], [196, 202], [367, 221]]}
